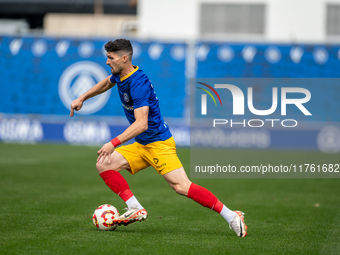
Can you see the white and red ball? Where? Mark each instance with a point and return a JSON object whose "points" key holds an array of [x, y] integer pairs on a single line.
{"points": [[103, 217]]}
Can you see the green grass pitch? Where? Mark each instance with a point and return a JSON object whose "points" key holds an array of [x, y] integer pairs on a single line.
{"points": [[49, 192]]}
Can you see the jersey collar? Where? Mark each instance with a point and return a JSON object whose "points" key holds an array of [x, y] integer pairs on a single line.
{"points": [[128, 75]]}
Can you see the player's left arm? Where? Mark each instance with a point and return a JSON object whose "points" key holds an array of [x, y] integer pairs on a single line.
{"points": [[136, 128]]}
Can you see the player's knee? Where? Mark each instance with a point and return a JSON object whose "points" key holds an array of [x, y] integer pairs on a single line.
{"points": [[100, 167], [114, 165]]}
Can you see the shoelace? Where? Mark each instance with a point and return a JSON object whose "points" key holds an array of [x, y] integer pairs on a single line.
{"points": [[128, 209]]}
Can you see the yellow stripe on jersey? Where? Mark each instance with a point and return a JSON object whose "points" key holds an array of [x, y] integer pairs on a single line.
{"points": [[128, 75]]}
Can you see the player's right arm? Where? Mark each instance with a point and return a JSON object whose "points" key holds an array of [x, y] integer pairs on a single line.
{"points": [[97, 89]]}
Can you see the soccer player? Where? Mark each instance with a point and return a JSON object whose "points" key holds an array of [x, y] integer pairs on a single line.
{"points": [[154, 144]]}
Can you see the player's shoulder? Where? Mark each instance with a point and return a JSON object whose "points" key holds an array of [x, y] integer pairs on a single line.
{"points": [[141, 75], [140, 78]]}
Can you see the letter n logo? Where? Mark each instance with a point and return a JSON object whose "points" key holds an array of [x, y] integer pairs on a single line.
{"points": [[204, 97]]}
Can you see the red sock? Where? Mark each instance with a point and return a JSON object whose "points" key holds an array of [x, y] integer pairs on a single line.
{"points": [[204, 197], [117, 184]]}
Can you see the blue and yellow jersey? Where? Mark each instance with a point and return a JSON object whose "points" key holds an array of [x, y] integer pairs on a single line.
{"points": [[135, 91]]}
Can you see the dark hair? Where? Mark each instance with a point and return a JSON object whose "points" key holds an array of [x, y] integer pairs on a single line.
{"points": [[122, 45]]}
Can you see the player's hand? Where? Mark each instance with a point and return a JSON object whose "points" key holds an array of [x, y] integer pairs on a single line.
{"points": [[104, 152], [76, 105]]}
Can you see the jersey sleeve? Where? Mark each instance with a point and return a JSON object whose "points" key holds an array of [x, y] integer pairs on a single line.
{"points": [[113, 79], [140, 94]]}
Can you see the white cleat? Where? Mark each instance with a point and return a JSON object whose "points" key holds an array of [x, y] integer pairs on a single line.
{"points": [[131, 215], [238, 225]]}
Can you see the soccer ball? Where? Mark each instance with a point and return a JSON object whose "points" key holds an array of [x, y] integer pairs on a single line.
{"points": [[103, 216]]}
